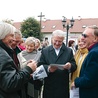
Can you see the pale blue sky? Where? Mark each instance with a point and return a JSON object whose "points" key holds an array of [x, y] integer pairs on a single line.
{"points": [[19, 10]]}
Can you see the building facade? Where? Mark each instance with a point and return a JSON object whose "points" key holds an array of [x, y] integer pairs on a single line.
{"points": [[48, 26]]}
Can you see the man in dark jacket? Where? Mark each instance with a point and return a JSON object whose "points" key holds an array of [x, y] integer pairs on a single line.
{"points": [[56, 85], [16, 49], [12, 80], [88, 79]]}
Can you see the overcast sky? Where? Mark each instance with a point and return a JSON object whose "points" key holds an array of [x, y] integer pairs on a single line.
{"points": [[19, 10]]}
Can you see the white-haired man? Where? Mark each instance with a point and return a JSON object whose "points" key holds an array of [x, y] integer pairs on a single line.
{"points": [[56, 85]]}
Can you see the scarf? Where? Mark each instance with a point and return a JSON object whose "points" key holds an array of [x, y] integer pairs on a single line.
{"points": [[79, 58]]}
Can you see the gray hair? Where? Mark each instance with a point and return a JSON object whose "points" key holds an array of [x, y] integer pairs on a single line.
{"points": [[5, 29], [58, 33], [18, 32], [95, 28], [30, 40]]}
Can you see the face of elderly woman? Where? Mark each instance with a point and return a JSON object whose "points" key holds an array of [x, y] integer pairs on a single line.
{"points": [[8, 40]]}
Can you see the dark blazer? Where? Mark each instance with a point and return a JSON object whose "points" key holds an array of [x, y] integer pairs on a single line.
{"points": [[56, 85], [12, 81], [88, 80]]}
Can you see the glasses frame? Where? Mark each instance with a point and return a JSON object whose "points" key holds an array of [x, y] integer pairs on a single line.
{"points": [[84, 35]]}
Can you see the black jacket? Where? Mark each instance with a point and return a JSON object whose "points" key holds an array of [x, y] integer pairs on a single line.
{"points": [[12, 81], [56, 85]]}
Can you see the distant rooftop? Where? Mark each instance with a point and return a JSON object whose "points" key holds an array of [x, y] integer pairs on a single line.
{"points": [[49, 26]]}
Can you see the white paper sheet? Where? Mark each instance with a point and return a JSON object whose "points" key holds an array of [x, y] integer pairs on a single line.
{"points": [[40, 73], [60, 66], [74, 93]]}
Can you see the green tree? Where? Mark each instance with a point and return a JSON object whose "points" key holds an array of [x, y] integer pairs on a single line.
{"points": [[31, 27]]}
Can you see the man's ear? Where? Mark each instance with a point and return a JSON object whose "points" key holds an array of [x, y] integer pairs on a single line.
{"points": [[96, 39]]}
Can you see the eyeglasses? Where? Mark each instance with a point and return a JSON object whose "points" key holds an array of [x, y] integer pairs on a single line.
{"points": [[84, 35]]}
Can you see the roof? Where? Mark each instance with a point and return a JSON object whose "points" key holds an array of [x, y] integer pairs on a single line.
{"points": [[49, 26], [17, 25]]}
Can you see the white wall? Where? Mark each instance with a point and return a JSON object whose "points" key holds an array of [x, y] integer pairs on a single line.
{"points": [[49, 37]]}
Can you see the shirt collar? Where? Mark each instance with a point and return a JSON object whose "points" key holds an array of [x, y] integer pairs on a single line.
{"points": [[91, 47]]}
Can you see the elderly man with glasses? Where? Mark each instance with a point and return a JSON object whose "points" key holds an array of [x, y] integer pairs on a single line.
{"points": [[88, 80], [16, 49]]}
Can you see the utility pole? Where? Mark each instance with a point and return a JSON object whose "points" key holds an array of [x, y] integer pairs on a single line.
{"points": [[40, 24]]}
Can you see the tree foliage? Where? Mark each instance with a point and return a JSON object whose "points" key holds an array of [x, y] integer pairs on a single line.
{"points": [[30, 27]]}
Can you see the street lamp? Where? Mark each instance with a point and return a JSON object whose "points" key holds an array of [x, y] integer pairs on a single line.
{"points": [[67, 26], [40, 24]]}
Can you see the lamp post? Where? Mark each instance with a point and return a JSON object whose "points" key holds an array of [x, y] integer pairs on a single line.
{"points": [[40, 23], [67, 26]]}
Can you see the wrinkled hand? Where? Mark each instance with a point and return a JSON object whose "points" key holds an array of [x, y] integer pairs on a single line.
{"points": [[52, 68], [32, 64], [67, 66]]}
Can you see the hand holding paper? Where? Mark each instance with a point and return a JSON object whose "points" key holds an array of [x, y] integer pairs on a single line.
{"points": [[67, 65], [40, 73]]}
